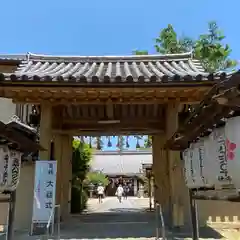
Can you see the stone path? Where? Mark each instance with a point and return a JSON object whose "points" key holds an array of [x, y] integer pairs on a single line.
{"points": [[119, 221]]}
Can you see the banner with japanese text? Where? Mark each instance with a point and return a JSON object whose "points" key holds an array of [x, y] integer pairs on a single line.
{"points": [[44, 195]]}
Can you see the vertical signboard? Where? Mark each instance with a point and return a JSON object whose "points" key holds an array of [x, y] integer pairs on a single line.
{"points": [[44, 195]]}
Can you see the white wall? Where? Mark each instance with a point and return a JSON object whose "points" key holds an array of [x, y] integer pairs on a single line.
{"points": [[7, 109], [24, 200]]}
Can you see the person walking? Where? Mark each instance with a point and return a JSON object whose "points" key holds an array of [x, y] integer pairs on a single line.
{"points": [[100, 192], [119, 193], [126, 191]]}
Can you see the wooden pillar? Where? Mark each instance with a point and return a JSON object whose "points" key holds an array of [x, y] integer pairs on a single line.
{"points": [[58, 150], [63, 154], [160, 172], [176, 178], [45, 131], [66, 175]]}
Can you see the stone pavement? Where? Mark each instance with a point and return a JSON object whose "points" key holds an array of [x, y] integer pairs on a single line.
{"points": [[113, 220], [111, 204]]}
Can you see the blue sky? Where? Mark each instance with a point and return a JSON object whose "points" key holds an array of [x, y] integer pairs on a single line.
{"points": [[104, 27], [96, 27]]}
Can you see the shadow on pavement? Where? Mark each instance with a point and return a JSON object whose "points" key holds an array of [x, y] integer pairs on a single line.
{"points": [[123, 210], [123, 223]]}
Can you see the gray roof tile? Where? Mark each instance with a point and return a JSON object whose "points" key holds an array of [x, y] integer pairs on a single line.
{"points": [[110, 69]]}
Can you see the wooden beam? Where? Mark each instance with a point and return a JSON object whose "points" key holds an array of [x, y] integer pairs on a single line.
{"points": [[106, 132], [123, 126], [182, 87], [127, 122], [87, 101]]}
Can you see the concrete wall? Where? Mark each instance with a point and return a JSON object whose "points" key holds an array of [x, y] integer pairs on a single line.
{"points": [[213, 211], [218, 211], [25, 192]]}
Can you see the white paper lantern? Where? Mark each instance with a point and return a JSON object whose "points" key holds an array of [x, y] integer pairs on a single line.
{"points": [[218, 165], [188, 169], [206, 162], [207, 169], [193, 167], [10, 164], [14, 171]]}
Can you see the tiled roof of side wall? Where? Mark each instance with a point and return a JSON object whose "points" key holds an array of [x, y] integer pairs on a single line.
{"points": [[13, 57]]}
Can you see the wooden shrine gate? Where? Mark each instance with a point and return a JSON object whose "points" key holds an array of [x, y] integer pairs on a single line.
{"points": [[112, 95]]}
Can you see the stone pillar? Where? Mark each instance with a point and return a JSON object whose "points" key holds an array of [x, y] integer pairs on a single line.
{"points": [[63, 155], [176, 179], [45, 131]]}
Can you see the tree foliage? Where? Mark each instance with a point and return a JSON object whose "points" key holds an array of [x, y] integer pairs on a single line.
{"points": [[168, 42], [96, 177], [81, 158], [208, 48], [211, 51], [140, 52]]}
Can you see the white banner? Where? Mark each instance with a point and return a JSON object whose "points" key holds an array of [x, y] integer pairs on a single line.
{"points": [[10, 165], [44, 194]]}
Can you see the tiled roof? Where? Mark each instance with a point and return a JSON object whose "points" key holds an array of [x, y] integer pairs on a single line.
{"points": [[110, 69], [13, 57], [116, 164]]}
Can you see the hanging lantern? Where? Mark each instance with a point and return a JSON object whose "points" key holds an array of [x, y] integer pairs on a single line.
{"points": [[109, 142], [149, 142], [15, 163], [118, 143], [10, 165], [90, 142], [99, 143], [127, 143], [137, 145]]}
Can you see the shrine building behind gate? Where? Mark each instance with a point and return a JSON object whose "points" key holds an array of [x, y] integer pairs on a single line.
{"points": [[109, 96], [125, 165]]}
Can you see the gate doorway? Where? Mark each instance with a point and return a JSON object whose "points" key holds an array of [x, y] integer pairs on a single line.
{"points": [[112, 95]]}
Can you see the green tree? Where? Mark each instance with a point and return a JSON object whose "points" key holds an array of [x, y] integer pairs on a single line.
{"points": [[211, 51], [96, 177], [81, 158], [139, 52], [208, 48], [168, 42]]}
